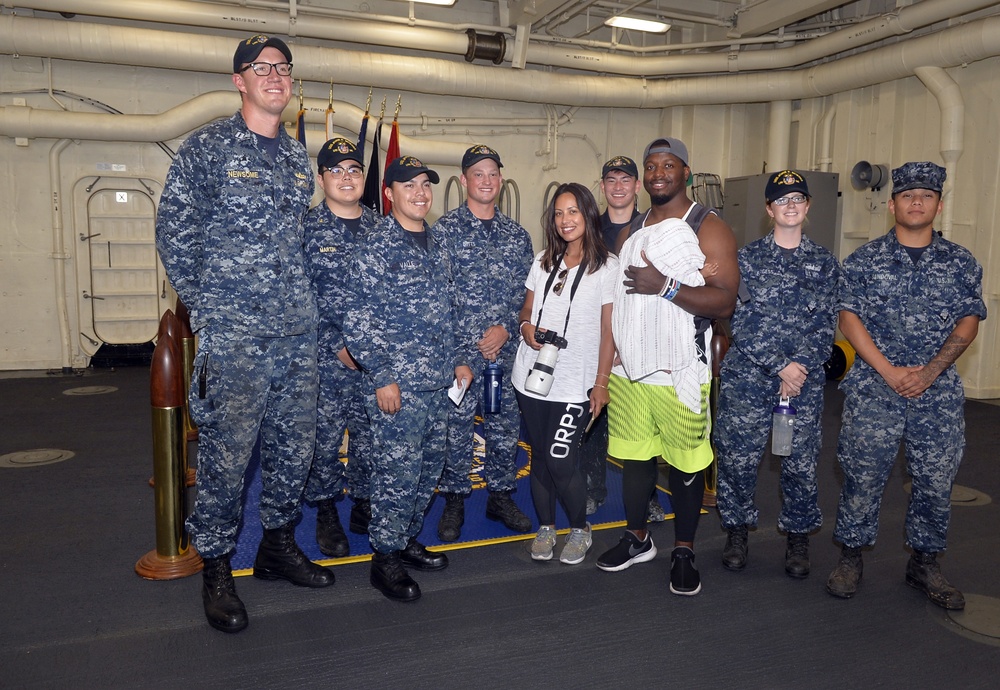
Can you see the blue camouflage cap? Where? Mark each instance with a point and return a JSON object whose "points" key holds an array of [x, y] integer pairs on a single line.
{"points": [[925, 175]]}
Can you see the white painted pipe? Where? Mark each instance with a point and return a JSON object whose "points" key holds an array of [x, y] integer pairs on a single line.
{"points": [[59, 256], [779, 130], [33, 123], [242, 18], [101, 43], [826, 138], [949, 98]]}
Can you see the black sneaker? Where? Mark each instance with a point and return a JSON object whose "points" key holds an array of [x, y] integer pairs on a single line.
{"points": [[629, 550], [684, 577]]}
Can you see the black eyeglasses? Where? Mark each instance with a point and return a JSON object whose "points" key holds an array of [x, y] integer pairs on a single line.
{"points": [[781, 201], [558, 288], [262, 69]]}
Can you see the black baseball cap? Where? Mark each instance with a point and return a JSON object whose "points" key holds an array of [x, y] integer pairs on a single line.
{"points": [[405, 168], [249, 49], [336, 151], [480, 152], [784, 182], [622, 163]]}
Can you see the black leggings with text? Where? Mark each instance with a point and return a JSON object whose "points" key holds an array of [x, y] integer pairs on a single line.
{"points": [[554, 430]]}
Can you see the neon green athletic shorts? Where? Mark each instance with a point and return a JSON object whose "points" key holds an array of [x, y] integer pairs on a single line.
{"points": [[645, 421]]}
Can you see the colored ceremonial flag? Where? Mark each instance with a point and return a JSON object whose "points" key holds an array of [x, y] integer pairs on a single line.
{"points": [[361, 137], [372, 197], [392, 153], [300, 127]]}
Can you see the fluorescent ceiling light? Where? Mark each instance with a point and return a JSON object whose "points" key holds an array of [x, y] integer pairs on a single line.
{"points": [[647, 25], [446, 3]]}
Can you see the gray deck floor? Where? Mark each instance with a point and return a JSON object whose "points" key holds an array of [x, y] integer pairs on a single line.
{"points": [[73, 614]]}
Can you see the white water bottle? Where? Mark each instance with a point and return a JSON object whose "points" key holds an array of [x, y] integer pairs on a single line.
{"points": [[782, 422]]}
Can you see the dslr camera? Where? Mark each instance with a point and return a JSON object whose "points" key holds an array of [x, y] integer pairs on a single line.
{"points": [[540, 377]]}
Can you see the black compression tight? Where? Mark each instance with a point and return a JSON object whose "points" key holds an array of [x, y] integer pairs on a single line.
{"points": [[638, 483], [687, 490]]}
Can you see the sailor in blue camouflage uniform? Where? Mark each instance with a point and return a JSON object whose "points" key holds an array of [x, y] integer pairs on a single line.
{"points": [[491, 255], [782, 332], [911, 305], [229, 233], [400, 327], [332, 230]]}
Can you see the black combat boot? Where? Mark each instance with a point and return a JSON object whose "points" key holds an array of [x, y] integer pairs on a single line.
{"points": [[223, 607], [452, 518], [924, 573], [797, 555], [845, 577], [734, 554], [329, 533], [280, 558], [416, 555], [361, 515], [390, 577], [501, 508]]}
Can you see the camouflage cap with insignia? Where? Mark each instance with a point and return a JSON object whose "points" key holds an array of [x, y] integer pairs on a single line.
{"points": [[479, 152], [925, 175], [336, 151], [405, 168], [623, 163], [784, 182], [249, 49]]}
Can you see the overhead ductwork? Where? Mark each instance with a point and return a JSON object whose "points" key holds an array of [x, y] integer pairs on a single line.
{"points": [[109, 44], [239, 17]]}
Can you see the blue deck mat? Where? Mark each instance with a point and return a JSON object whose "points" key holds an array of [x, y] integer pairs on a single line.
{"points": [[477, 530]]}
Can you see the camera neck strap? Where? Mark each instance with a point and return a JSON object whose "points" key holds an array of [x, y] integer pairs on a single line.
{"points": [[581, 269]]}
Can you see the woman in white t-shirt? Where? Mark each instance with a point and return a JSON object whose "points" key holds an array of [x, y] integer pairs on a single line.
{"points": [[567, 307]]}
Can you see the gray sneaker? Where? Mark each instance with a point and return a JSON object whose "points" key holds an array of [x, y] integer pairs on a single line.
{"points": [[544, 543], [577, 544]]}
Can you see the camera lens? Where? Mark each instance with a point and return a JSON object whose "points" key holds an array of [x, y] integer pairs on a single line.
{"points": [[542, 373]]}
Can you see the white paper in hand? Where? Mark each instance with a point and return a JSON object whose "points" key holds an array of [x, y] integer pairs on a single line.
{"points": [[457, 391]]}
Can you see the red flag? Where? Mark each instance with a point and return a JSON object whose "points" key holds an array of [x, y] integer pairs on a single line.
{"points": [[391, 154]]}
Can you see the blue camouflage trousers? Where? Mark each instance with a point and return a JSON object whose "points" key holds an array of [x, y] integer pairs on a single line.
{"points": [[341, 406], [500, 431], [875, 420], [743, 426], [409, 451], [253, 386]]}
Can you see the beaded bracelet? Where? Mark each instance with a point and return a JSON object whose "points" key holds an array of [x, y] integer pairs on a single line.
{"points": [[672, 292]]}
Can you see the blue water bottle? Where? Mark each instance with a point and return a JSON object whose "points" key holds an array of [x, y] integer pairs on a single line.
{"points": [[492, 380]]}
